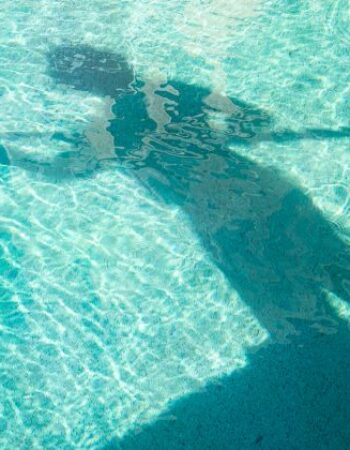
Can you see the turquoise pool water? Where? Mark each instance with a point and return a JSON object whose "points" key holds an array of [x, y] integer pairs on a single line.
{"points": [[174, 222]]}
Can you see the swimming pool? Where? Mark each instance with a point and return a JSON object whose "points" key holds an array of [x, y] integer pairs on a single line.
{"points": [[174, 225]]}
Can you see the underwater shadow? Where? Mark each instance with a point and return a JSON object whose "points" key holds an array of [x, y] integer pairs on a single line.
{"points": [[275, 247], [189, 145]]}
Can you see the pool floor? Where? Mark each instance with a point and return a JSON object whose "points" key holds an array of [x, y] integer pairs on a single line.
{"points": [[174, 225]]}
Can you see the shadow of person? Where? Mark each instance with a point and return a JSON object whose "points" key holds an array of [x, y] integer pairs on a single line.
{"points": [[188, 145]]}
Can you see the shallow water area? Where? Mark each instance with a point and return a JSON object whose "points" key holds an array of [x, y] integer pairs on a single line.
{"points": [[174, 255]]}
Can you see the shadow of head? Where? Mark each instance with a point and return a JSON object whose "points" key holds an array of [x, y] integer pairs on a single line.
{"points": [[86, 69]]}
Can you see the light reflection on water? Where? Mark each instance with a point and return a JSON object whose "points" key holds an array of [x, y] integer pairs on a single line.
{"points": [[167, 248]]}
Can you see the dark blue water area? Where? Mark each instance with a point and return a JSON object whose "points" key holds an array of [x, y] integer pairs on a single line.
{"points": [[293, 396], [261, 229]]}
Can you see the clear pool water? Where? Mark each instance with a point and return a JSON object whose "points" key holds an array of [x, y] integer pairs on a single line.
{"points": [[174, 222]]}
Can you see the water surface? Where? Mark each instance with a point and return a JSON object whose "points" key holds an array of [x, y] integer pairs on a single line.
{"points": [[174, 225]]}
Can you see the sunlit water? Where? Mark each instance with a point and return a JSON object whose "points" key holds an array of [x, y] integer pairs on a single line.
{"points": [[174, 187]]}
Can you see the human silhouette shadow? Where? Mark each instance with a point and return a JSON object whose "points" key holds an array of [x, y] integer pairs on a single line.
{"points": [[273, 244]]}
